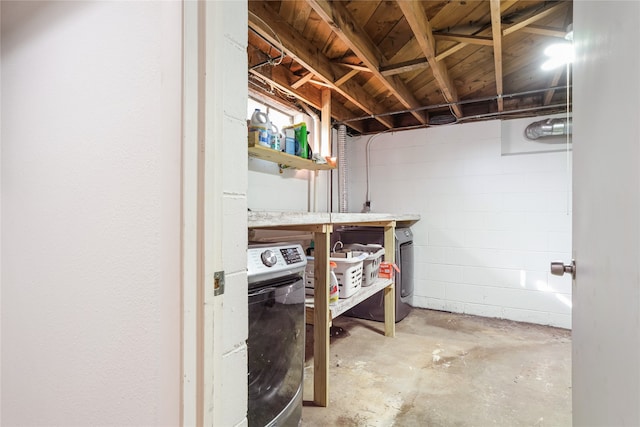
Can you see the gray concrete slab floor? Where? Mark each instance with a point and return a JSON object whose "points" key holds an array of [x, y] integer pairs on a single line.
{"points": [[443, 369]]}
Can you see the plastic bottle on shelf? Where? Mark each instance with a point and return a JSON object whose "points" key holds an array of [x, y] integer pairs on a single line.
{"points": [[334, 290], [261, 124], [274, 137]]}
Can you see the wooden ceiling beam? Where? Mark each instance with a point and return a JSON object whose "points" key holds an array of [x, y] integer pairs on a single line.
{"points": [[421, 27], [496, 30], [265, 22], [346, 77], [304, 79], [520, 25], [279, 77], [544, 31], [450, 51], [354, 67], [548, 95], [345, 26], [321, 83], [408, 66], [506, 4], [464, 38], [404, 67]]}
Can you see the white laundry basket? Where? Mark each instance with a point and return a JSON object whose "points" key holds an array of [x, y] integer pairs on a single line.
{"points": [[348, 273], [371, 264]]}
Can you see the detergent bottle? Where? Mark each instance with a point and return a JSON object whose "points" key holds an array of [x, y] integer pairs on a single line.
{"points": [[274, 137], [261, 124], [334, 290]]}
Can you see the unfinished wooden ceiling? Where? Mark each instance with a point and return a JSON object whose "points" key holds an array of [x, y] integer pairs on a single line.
{"points": [[403, 64]]}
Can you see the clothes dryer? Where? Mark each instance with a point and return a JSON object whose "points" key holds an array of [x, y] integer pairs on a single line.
{"points": [[373, 307]]}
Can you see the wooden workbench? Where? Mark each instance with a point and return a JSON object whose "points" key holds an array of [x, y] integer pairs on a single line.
{"points": [[321, 225]]}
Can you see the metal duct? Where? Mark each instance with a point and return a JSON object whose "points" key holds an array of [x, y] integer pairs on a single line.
{"points": [[547, 128], [342, 169]]}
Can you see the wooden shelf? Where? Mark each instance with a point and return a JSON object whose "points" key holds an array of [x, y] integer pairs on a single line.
{"points": [[321, 312], [269, 154], [340, 307]]}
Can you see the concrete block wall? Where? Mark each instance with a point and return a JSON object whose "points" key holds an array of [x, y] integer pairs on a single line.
{"points": [[490, 226], [271, 189], [231, 50]]}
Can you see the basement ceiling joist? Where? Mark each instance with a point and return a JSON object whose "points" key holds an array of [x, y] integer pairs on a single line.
{"points": [[398, 64]]}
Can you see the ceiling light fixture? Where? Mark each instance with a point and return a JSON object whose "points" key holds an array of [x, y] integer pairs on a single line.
{"points": [[559, 54], [569, 35]]}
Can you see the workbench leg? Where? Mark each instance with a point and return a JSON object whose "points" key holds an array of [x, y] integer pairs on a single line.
{"points": [[389, 291], [321, 319]]}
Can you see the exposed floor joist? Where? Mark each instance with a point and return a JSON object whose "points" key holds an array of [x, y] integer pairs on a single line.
{"points": [[518, 26], [393, 64], [419, 23], [450, 51], [544, 31], [342, 23], [265, 22], [279, 78], [304, 79], [404, 67], [496, 29], [463, 38]]}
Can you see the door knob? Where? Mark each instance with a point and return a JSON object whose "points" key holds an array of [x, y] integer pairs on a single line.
{"points": [[558, 268]]}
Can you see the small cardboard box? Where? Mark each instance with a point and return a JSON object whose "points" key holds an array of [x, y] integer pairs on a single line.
{"points": [[386, 270]]}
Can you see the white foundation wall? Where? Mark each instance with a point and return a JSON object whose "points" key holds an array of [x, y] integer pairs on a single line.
{"points": [[91, 136], [490, 223], [273, 189], [228, 118]]}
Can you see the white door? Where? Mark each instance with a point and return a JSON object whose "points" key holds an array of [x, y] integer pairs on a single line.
{"points": [[606, 214]]}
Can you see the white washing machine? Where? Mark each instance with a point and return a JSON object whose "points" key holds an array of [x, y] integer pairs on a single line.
{"points": [[276, 334]]}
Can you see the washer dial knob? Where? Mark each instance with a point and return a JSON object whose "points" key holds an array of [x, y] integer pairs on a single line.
{"points": [[269, 258]]}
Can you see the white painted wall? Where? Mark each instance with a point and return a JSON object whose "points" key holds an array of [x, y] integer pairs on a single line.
{"points": [[490, 223], [226, 331], [91, 133], [272, 189]]}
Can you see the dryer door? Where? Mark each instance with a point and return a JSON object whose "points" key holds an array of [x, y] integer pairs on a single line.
{"points": [[275, 350]]}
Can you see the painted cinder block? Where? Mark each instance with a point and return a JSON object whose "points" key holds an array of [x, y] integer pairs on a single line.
{"points": [[233, 399], [444, 272], [490, 225], [237, 10], [539, 317], [234, 98], [234, 256], [235, 311], [484, 310], [432, 289], [234, 151]]}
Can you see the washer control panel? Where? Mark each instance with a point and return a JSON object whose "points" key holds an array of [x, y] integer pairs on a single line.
{"points": [[269, 259], [291, 255]]}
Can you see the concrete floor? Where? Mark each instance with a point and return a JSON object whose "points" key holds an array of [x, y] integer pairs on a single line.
{"points": [[443, 369]]}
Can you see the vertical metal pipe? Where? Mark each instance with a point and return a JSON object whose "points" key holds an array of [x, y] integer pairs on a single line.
{"points": [[342, 169]]}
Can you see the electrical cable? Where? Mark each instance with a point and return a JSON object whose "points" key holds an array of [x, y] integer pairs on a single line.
{"points": [[367, 159], [278, 60]]}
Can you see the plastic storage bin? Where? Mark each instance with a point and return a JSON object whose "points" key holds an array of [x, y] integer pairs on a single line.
{"points": [[371, 264], [348, 272]]}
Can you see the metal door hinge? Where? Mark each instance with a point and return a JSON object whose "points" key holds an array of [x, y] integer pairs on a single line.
{"points": [[218, 283]]}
